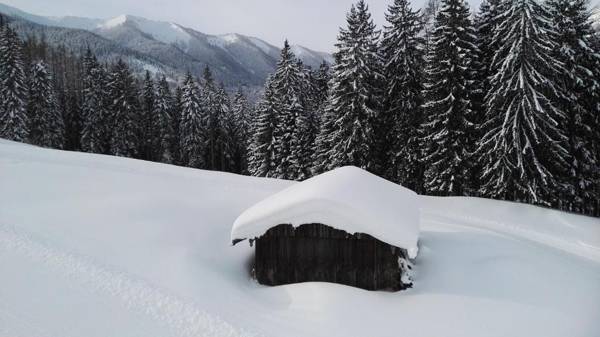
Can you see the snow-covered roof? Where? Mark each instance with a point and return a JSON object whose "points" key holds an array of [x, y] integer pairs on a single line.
{"points": [[346, 198]]}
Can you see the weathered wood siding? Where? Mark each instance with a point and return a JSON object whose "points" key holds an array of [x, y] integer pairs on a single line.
{"points": [[315, 252]]}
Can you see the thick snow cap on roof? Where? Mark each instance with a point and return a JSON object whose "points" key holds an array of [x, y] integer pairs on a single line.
{"points": [[346, 198]]}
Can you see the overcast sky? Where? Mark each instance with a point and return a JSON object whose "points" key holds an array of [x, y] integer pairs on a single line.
{"points": [[312, 23]]}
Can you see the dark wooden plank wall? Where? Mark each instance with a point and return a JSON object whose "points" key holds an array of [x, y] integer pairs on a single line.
{"points": [[316, 252]]}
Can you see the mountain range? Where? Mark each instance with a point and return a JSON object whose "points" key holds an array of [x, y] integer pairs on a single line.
{"points": [[169, 48], [162, 47]]}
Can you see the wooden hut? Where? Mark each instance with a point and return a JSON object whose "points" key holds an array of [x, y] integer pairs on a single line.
{"points": [[346, 226]]}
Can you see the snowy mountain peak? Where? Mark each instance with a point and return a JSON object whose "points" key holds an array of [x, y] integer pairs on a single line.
{"points": [[114, 22], [166, 32], [231, 38]]}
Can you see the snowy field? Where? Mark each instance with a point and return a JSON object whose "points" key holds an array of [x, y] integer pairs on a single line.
{"points": [[99, 246]]}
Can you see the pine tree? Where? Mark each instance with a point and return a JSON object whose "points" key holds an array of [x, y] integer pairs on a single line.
{"points": [[123, 111], [148, 137], [261, 148], [403, 59], [430, 11], [595, 143], [322, 118], [176, 111], [212, 121], [227, 137], [68, 73], [355, 92], [163, 124], [72, 120], [94, 135], [291, 122], [570, 19], [490, 15], [46, 127], [324, 141], [523, 149], [486, 21], [13, 91], [241, 119], [448, 101], [192, 132], [321, 79], [315, 89]]}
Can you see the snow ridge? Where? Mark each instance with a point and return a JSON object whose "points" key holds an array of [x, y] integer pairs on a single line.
{"points": [[557, 231], [175, 313]]}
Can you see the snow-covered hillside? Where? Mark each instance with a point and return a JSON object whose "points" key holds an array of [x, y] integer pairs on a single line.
{"points": [[256, 55], [234, 58], [93, 245], [105, 49]]}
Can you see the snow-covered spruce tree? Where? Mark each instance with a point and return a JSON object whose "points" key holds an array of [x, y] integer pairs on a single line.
{"points": [[176, 110], [67, 69], [123, 112], [192, 132], [46, 127], [227, 137], [13, 91], [448, 92], [305, 125], [524, 149], [430, 11], [240, 130], [94, 106], [163, 124], [596, 133], [355, 93], [491, 14], [580, 78], [71, 115], [212, 104], [288, 88], [321, 78], [323, 118], [403, 59], [323, 142], [148, 137], [260, 149]]}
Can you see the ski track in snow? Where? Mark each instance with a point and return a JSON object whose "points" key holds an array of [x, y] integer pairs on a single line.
{"points": [[183, 317]]}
